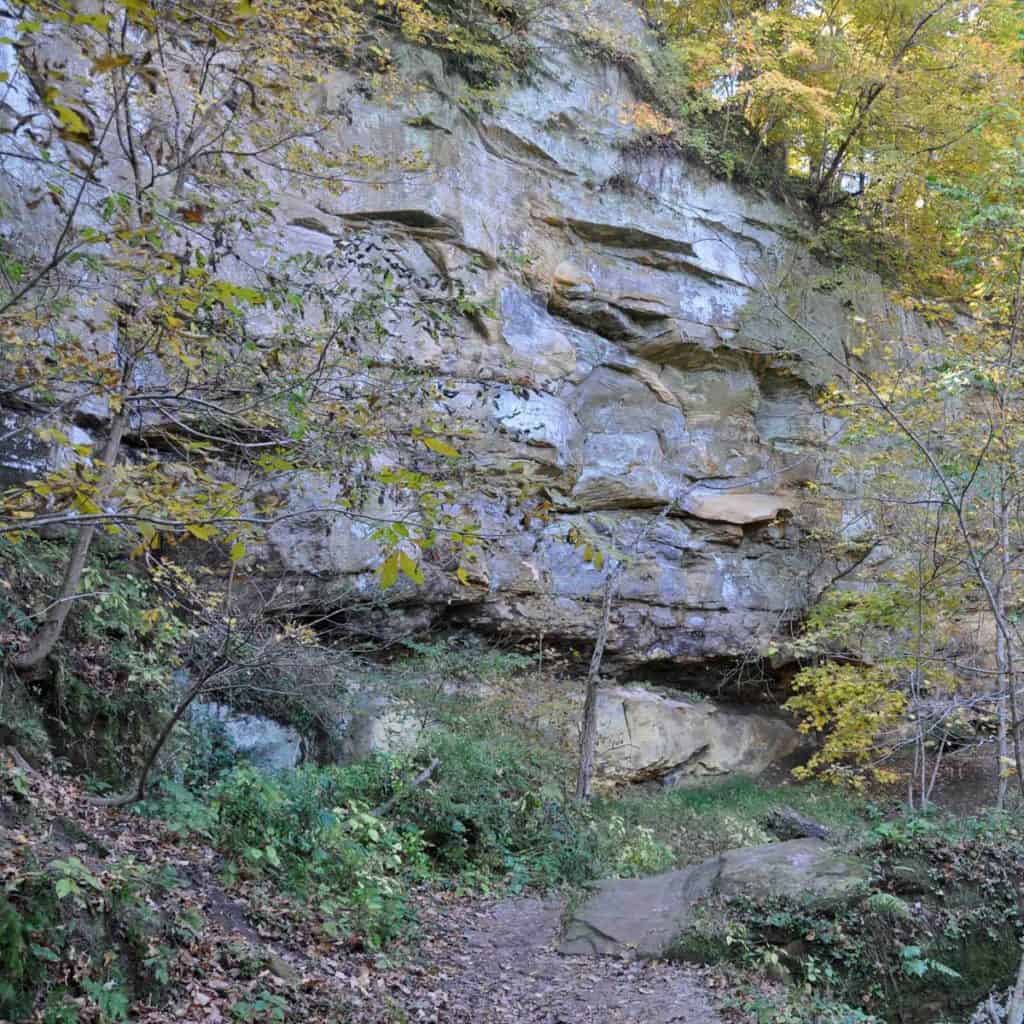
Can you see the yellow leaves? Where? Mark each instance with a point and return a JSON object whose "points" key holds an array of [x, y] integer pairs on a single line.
{"points": [[435, 444], [201, 531], [84, 503], [646, 120], [51, 435], [399, 561], [151, 616], [851, 705], [388, 571], [409, 568], [71, 121], [109, 62], [775, 99]]}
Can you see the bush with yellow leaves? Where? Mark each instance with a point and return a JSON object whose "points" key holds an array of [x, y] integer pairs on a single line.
{"points": [[852, 706]]}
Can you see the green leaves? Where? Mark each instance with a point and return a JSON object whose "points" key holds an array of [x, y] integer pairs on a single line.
{"points": [[100, 22], [65, 887], [916, 965]]}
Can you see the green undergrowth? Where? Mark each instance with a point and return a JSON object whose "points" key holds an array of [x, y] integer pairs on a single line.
{"points": [[356, 838], [700, 822], [934, 935], [82, 934], [102, 695]]}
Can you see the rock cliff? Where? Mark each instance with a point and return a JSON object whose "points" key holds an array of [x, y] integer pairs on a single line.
{"points": [[642, 341]]}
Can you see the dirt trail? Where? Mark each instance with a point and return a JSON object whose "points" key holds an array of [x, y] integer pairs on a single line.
{"points": [[496, 963], [469, 960]]}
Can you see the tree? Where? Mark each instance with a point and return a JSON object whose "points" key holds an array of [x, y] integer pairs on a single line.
{"points": [[876, 103], [939, 439]]}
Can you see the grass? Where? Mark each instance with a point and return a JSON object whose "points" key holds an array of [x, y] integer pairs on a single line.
{"points": [[696, 824]]}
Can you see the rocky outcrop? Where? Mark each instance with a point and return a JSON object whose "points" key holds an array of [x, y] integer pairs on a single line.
{"points": [[637, 336], [648, 916], [259, 740], [643, 735], [643, 354], [379, 726]]}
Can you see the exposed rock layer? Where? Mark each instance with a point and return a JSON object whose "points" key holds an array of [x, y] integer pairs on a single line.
{"points": [[640, 336], [646, 916]]}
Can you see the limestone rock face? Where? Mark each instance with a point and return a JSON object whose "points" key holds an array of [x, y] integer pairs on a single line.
{"points": [[262, 741], [637, 351], [645, 916], [644, 735], [379, 727]]}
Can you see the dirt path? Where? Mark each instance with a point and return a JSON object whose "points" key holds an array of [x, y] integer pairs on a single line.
{"points": [[496, 962], [469, 960]]}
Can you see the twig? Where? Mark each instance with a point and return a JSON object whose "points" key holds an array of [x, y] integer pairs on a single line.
{"points": [[19, 762], [417, 781]]}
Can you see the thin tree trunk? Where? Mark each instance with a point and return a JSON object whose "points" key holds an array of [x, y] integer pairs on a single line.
{"points": [[588, 729], [1005, 660], [935, 771], [1002, 754], [46, 637], [1015, 1008]]}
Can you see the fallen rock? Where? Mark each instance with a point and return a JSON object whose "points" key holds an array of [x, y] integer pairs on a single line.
{"points": [[644, 735], [647, 916], [787, 823]]}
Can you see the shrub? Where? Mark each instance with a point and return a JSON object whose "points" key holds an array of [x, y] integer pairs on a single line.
{"points": [[492, 810], [306, 829]]}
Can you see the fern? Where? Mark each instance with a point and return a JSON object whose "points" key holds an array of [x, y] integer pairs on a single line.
{"points": [[887, 903]]}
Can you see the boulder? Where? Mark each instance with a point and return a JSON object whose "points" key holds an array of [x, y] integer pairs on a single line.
{"points": [[262, 741], [644, 735], [647, 916], [379, 726]]}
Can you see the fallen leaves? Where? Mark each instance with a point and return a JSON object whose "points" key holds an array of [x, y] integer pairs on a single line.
{"points": [[248, 952]]}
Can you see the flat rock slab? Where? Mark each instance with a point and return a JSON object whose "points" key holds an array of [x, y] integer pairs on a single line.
{"points": [[644, 916]]}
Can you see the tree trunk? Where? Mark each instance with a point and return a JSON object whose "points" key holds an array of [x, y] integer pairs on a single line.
{"points": [[1015, 1008], [588, 729], [46, 637], [1003, 749]]}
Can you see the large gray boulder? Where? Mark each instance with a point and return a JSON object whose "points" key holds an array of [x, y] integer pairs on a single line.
{"points": [[646, 735], [647, 916], [261, 741]]}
